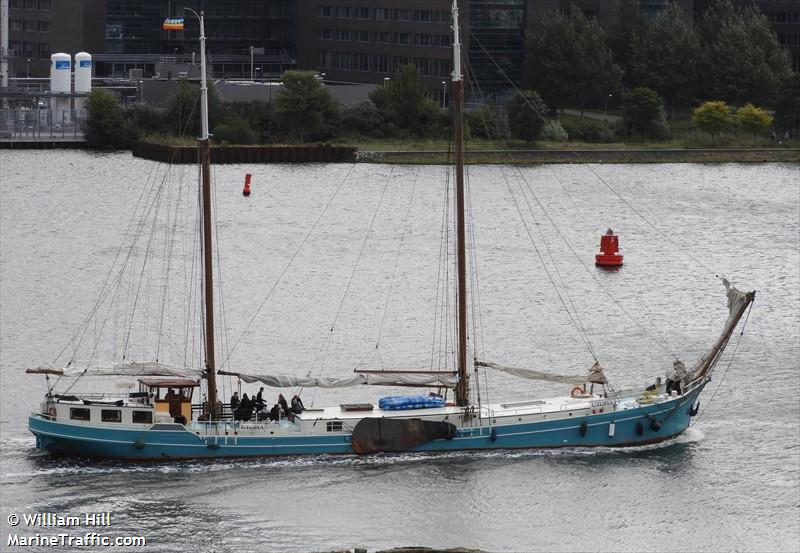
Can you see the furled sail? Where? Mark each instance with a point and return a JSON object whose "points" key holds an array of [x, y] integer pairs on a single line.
{"points": [[375, 378], [532, 374], [738, 302], [132, 368]]}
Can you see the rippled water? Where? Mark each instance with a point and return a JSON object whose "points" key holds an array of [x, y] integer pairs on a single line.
{"points": [[731, 483]]}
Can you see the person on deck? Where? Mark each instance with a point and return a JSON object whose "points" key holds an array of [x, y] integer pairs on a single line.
{"points": [[297, 405], [274, 413], [234, 402]]}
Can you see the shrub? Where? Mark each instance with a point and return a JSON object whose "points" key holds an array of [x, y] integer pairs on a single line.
{"points": [[554, 132], [713, 117], [587, 130], [643, 114], [488, 122], [752, 119], [234, 131], [363, 119], [105, 128], [526, 115]]}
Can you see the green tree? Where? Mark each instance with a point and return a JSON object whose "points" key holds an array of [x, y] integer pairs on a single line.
{"points": [[570, 62], [406, 104], [234, 130], [787, 106], [743, 60], [713, 117], [628, 24], [526, 115], [752, 119], [363, 119], [665, 56], [488, 121], [644, 113], [183, 109], [105, 129], [259, 115], [304, 107]]}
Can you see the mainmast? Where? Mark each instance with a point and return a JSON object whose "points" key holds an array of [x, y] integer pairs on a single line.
{"points": [[462, 389], [204, 147]]}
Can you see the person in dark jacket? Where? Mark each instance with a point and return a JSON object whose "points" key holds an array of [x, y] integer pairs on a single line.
{"points": [[297, 405], [234, 402]]}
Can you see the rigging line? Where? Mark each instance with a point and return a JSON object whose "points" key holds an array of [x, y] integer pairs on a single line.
{"points": [[169, 244], [577, 320], [544, 266], [326, 344], [520, 180], [439, 263], [664, 343], [223, 335], [678, 247], [82, 329], [157, 207], [477, 288], [730, 362], [291, 260], [397, 257]]}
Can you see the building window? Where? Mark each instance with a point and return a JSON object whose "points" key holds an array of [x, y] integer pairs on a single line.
{"points": [[44, 50], [15, 25], [422, 40], [443, 40], [423, 65], [325, 11], [111, 415], [30, 49], [422, 16], [442, 17], [16, 4], [324, 58], [143, 417], [404, 15], [80, 414], [30, 4], [44, 4], [401, 38], [344, 34], [44, 26], [362, 36], [344, 12], [382, 64], [362, 62], [362, 13], [324, 33], [29, 26], [384, 37], [384, 14]]}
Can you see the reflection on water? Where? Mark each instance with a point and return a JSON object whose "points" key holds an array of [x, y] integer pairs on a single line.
{"points": [[729, 483]]}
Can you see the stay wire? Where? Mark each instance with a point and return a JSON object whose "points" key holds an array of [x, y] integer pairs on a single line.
{"points": [[289, 264]]}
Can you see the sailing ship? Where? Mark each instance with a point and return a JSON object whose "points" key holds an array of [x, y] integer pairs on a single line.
{"points": [[159, 420]]}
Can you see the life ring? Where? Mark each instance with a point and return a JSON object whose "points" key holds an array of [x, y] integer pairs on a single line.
{"points": [[577, 391]]}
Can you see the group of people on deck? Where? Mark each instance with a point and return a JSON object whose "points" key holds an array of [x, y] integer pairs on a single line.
{"points": [[246, 408]]}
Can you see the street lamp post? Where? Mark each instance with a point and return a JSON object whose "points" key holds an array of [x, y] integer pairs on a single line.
{"points": [[28, 67], [444, 94], [605, 109], [385, 80], [251, 64]]}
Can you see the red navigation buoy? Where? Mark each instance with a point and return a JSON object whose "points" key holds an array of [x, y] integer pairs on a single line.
{"points": [[609, 248], [246, 190]]}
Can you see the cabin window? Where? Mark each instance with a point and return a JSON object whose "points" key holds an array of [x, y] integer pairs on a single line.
{"points": [[334, 426], [80, 414], [143, 417], [111, 415]]}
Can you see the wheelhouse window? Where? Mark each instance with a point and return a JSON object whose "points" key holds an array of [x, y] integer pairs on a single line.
{"points": [[334, 426], [143, 417], [80, 414], [111, 415]]}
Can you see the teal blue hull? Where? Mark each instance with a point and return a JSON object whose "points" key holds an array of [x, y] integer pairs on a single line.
{"points": [[640, 426]]}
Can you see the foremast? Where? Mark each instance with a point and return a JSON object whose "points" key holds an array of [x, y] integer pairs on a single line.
{"points": [[204, 147], [457, 86]]}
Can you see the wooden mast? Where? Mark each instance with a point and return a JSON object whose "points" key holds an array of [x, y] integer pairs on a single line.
{"points": [[462, 389], [208, 252]]}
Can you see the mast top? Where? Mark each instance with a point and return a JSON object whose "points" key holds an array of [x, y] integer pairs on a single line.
{"points": [[456, 75]]}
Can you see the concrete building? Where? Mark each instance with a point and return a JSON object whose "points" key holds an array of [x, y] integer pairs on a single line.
{"points": [[39, 28], [365, 41], [136, 40]]}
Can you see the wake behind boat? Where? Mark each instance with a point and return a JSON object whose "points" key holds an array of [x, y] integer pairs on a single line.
{"points": [[164, 420]]}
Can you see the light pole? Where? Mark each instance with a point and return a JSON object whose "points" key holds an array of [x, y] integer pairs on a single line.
{"points": [[444, 94], [385, 80], [28, 67], [251, 64], [605, 109], [141, 92]]}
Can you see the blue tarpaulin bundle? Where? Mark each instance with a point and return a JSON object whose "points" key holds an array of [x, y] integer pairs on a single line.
{"points": [[397, 403]]}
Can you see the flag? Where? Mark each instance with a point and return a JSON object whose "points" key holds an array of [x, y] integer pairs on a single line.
{"points": [[175, 24]]}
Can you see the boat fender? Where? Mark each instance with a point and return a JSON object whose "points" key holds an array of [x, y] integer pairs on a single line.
{"points": [[576, 391], [139, 443], [639, 428], [693, 410], [582, 429], [493, 435], [655, 426]]}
